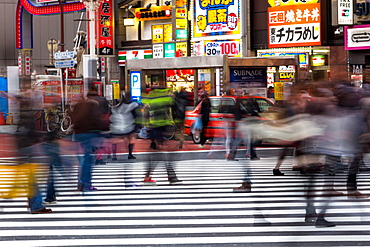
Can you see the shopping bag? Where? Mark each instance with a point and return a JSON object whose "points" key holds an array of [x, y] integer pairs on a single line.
{"points": [[197, 126]]}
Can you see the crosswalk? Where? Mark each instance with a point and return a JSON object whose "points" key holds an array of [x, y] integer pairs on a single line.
{"points": [[202, 211]]}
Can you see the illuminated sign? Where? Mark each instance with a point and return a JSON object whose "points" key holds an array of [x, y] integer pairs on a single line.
{"points": [[294, 25], [105, 28], [157, 33], [169, 50], [215, 18], [302, 56], [357, 37], [277, 3], [133, 54], [181, 49], [318, 60], [345, 12], [217, 47], [135, 85], [248, 77], [167, 32], [154, 13]]}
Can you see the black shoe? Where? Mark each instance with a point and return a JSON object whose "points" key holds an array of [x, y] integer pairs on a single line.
{"points": [[114, 158], [321, 222], [255, 158], [42, 211], [130, 156], [100, 162], [277, 172], [175, 181], [310, 218]]}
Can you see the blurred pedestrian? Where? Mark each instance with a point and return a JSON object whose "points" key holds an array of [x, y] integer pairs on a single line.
{"points": [[88, 124], [104, 113], [123, 125], [204, 112], [180, 103], [27, 139], [158, 102]]}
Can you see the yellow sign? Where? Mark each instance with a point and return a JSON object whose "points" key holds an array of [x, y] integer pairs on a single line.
{"points": [[279, 90], [180, 3], [181, 13], [116, 90], [182, 49], [276, 3], [157, 33], [181, 23], [167, 31]]}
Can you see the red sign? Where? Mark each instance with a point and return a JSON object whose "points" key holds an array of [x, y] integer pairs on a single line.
{"points": [[105, 28]]}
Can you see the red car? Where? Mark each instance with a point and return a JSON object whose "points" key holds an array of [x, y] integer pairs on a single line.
{"points": [[222, 117]]}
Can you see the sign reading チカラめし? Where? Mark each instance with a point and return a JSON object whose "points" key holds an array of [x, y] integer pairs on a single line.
{"points": [[215, 18], [248, 77], [294, 25]]}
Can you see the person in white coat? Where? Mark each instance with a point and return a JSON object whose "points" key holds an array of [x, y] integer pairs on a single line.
{"points": [[123, 125]]}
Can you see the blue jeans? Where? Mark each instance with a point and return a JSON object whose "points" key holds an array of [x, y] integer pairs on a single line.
{"points": [[88, 141]]}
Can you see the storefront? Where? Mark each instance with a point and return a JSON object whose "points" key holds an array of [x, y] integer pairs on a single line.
{"points": [[217, 75]]}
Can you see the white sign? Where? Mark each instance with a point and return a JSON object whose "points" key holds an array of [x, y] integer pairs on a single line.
{"points": [[345, 12], [158, 51], [64, 63], [230, 48], [64, 55], [357, 38]]}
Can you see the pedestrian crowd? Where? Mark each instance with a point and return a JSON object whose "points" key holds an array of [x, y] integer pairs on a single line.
{"points": [[327, 125]]}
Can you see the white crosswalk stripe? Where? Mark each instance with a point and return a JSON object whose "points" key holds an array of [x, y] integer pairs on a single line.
{"points": [[202, 211]]}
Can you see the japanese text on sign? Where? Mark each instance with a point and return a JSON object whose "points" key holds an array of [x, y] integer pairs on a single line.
{"points": [[219, 17], [294, 25], [105, 28], [231, 48]]}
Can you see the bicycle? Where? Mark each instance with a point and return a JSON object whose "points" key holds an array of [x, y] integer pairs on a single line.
{"points": [[57, 119]]}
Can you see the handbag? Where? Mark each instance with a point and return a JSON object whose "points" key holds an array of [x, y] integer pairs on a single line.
{"points": [[197, 126]]}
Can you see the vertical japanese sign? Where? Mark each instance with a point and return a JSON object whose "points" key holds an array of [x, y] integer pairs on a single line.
{"points": [[215, 18], [167, 33], [345, 12], [157, 33], [105, 28], [294, 24]]}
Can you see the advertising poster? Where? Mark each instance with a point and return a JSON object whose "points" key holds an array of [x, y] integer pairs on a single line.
{"points": [[169, 50], [181, 49], [215, 18], [294, 24], [279, 90], [105, 28], [223, 47], [157, 33], [116, 89], [167, 33], [357, 37]]}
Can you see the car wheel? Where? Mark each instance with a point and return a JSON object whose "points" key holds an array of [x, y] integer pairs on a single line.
{"points": [[196, 137]]}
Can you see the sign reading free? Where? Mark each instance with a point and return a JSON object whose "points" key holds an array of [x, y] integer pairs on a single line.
{"points": [[230, 48]]}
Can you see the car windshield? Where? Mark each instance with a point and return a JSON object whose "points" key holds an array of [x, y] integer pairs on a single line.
{"points": [[256, 105]]}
